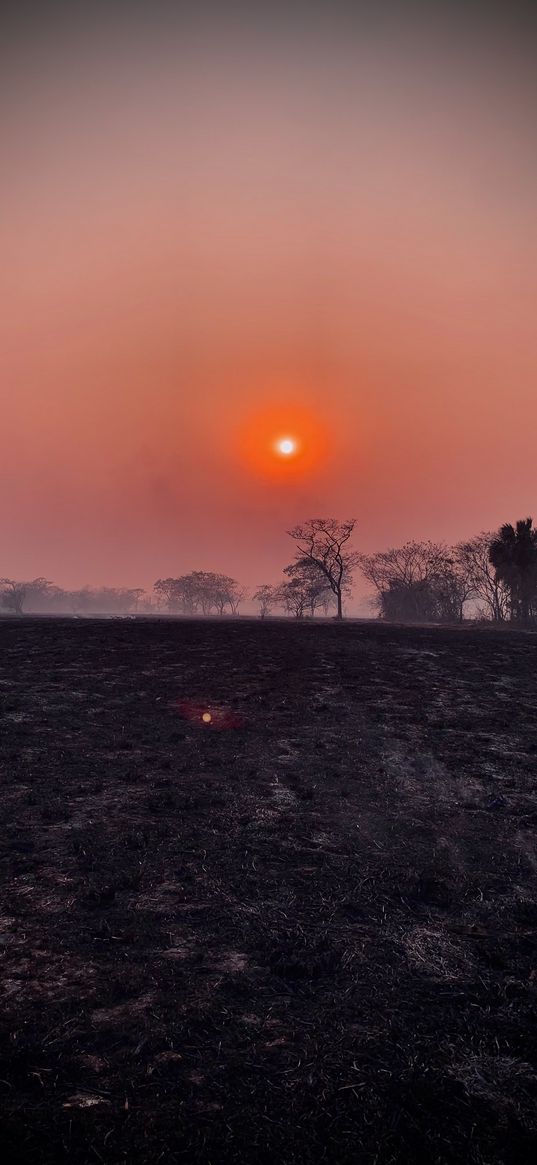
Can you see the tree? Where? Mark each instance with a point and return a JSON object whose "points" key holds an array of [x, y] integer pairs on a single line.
{"points": [[307, 587], [200, 592], [325, 542], [412, 563], [420, 582], [267, 597], [42, 595], [473, 557], [14, 594], [98, 600], [452, 589], [203, 590], [225, 592], [513, 554], [165, 590], [293, 597], [137, 594], [235, 595], [78, 600], [412, 602], [178, 594]]}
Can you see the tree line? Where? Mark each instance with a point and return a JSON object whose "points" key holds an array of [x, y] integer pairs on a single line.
{"points": [[492, 576], [495, 572], [42, 596]]}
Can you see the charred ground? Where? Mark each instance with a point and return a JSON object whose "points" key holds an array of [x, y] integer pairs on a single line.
{"points": [[303, 932]]}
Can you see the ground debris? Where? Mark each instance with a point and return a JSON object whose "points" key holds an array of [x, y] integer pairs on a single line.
{"points": [[301, 931]]}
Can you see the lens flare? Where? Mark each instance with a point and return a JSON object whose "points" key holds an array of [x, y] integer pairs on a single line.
{"points": [[219, 718]]}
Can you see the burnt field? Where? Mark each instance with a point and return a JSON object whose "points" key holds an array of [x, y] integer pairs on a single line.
{"points": [[303, 931]]}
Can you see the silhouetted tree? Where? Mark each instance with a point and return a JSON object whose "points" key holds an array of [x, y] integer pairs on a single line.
{"points": [[414, 562], [99, 600], [325, 542], [14, 594], [204, 590], [267, 597], [178, 594], [513, 553], [45, 596], [165, 591], [80, 600], [411, 602], [235, 596], [291, 596], [452, 589], [473, 558], [418, 582], [200, 592], [223, 591], [307, 587], [137, 595]]}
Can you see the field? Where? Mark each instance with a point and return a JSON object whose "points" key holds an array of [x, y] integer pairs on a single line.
{"points": [[303, 931]]}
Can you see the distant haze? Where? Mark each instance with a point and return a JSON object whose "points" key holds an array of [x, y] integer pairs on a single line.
{"points": [[208, 223]]}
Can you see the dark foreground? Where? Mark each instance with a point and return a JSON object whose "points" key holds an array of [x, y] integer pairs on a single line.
{"points": [[307, 937]]}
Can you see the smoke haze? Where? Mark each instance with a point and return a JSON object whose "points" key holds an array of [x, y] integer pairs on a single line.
{"points": [[206, 221]]}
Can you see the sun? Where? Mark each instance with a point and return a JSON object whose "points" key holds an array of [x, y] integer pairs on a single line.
{"points": [[286, 446], [283, 443]]}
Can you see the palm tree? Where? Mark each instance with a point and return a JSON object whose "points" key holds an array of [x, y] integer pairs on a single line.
{"points": [[513, 554]]}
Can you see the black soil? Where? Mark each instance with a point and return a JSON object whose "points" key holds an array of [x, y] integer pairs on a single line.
{"points": [[303, 931]]}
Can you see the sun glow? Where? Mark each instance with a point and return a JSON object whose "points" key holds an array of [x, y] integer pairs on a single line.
{"points": [[286, 446], [283, 442]]}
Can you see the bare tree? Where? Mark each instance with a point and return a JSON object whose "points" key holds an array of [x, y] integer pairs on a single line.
{"points": [[307, 585], [452, 589], [485, 586], [293, 597], [199, 589], [267, 597], [80, 600], [42, 595], [14, 594], [235, 595], [418, 582], [166, 592], [200, 592], [325, 542], [415, 562], [226, 592], [178, 594], [411, 602], [98, 600], [137, 595]]}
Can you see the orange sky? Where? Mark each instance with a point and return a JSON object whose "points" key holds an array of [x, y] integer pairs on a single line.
{"points": [[203, 229]]}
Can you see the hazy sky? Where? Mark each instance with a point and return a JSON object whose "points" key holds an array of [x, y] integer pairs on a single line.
{"points": [[214, 230]]}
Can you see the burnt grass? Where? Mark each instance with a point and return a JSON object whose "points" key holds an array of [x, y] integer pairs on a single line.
{"points": [[303, 932]]}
